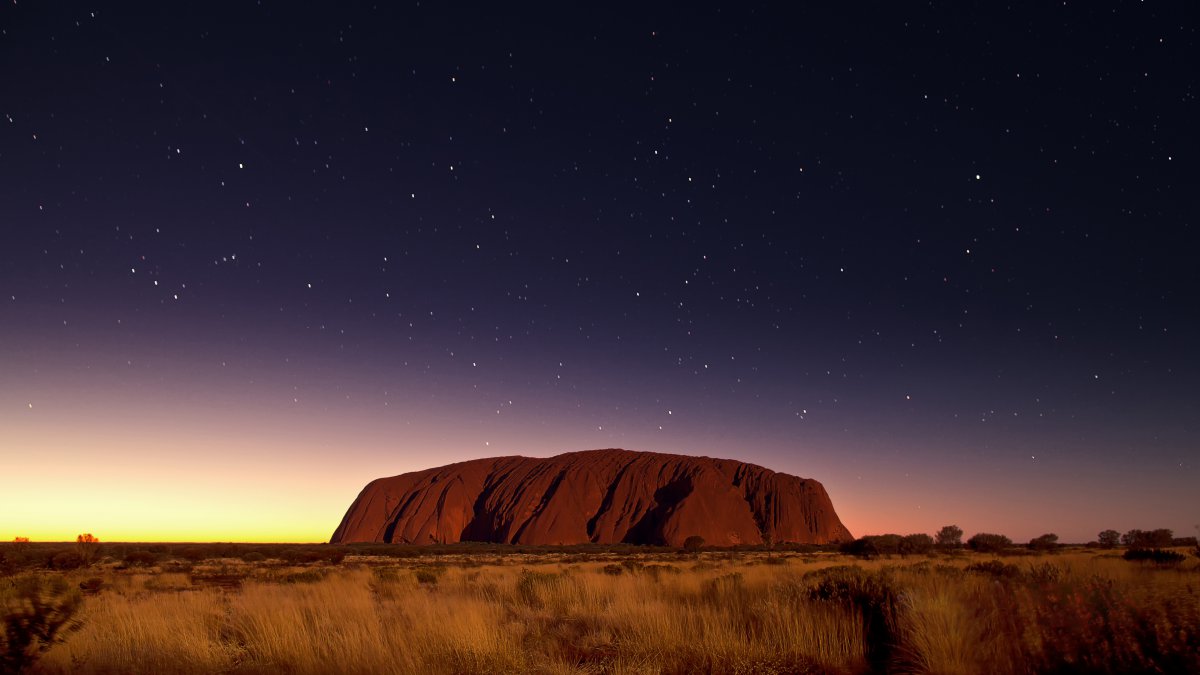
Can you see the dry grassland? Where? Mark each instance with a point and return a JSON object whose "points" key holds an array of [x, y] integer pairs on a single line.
{"points": [[739, 613]]}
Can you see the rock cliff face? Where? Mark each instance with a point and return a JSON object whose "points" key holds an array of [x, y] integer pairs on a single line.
{"points": [[598, 496]]}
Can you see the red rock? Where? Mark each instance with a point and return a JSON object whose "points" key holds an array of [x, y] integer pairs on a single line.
{"points": [[598, 496]]}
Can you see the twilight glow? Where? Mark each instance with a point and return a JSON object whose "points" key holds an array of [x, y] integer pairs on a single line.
{"points": [[248, 263]]}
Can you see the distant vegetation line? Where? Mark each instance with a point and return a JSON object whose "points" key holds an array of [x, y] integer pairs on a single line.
{"points": [[884, 603]]}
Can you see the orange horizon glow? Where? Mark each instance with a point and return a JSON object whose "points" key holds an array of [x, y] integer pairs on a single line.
{"points": [[180, 461]]}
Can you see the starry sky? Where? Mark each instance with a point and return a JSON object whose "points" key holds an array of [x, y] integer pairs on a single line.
{"points": [[940, 258]]}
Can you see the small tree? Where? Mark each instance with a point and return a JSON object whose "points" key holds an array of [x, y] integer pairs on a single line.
{"points": [[886, 543], [1046, 542], [693, 543], [1109, 538], [1133, 538], [949, 536], [88, 548], [863, 547], [916, 543], [985, 542], [1160, 538]]}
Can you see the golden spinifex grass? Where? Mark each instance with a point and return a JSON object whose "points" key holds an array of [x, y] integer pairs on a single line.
{"points": [[649, 614]]}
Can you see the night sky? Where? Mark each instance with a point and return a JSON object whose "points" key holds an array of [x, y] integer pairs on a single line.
{"points": [[941, 259]]}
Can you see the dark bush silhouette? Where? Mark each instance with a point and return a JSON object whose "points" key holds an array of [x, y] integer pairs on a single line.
{"points": [[42, 616], [871, 593], [1157, 556], [863, 547], [66, 560], [1046, 542], [193, 553], [1109, 538], [950, 536], [1160, 538], [887, 544], [996, 569], [141, 558], [693, 543], [916, 544], [985, 542], [88, 549]]}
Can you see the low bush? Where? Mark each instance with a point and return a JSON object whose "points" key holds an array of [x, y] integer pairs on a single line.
{"points": [[141, 559], [996, 569], [426, 575], [67, 560], [872, 594], [1157, 556], [37, 614], [530, 583], [985, 542]]}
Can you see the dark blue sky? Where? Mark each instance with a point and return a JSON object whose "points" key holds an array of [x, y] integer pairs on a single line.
{"points": [[892, 248]]}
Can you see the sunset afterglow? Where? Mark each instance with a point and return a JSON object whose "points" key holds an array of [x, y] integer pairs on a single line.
{"points": [[252, 259]]}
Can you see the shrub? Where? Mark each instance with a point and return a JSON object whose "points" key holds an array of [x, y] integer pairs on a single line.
{"points": [[193, 553], [41, 614], [996, 569], [656, 571], [872, 594], [1109, 538], [529, 584], [1046, 542], [724, 590], [310, 576], [218, 579], [1046, 573], [886, 543], [1157, 556], [949, 536], [614, 570], [1160, 538], [305, 556], [426, 575], [88, 548], [693, 543], [386, 574], [66, 560], [253, 557], [985, 542], [141, 558], [916, 543], [863, 547], [632, 565]]}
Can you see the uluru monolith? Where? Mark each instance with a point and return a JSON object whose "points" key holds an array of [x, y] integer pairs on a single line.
{"points": [[597, 496]]}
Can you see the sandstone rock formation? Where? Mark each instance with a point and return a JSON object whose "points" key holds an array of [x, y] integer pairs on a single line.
{"points": [[599, 496]]}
